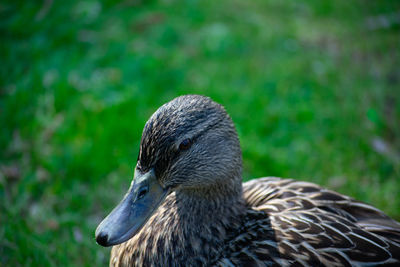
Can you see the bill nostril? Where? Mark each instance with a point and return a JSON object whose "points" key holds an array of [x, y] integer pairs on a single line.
{"points": [[142, 192], [102, 239]]}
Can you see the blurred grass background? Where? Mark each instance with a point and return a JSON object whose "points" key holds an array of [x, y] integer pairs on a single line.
{"points": [[313, 87]]}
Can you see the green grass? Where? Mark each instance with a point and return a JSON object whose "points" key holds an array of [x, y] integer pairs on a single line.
{"points": [[313, 87]]}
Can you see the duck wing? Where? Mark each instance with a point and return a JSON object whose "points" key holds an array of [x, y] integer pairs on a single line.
{"points": [[308, 225]]}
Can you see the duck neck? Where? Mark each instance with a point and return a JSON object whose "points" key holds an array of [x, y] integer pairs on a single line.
{"points": [[200, 202], [216, 205], [205, 218], [189, 229]]}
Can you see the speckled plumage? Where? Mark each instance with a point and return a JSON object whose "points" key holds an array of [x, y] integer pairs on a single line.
{"points": [[211, 219]]}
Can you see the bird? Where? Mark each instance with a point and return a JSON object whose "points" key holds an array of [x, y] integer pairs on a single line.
{"points": [[187, 205]]}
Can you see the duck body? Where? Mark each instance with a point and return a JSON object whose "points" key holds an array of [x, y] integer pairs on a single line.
{"points": [[187, 206], [286, 223]]}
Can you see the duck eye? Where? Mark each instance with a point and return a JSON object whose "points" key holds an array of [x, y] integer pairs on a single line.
{"points": [[185, 144]]}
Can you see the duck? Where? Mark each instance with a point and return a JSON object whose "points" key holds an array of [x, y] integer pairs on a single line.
{"points": [[187, 205]]}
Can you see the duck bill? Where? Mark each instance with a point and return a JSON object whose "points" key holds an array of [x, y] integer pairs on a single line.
{"points": [[143, 198]]}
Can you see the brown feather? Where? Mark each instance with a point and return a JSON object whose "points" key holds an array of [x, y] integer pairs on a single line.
{"points": [[212, 219]]}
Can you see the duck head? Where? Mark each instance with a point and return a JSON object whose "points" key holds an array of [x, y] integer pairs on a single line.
{"points": [[189, 145]]}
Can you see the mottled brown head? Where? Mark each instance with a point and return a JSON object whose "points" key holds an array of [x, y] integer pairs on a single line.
{"points": [[190, 142], [189, 146]]}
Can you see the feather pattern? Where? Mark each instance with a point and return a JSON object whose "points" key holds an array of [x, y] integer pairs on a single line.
{"points": [[287, 223], [311, 226], [212, 219]]}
